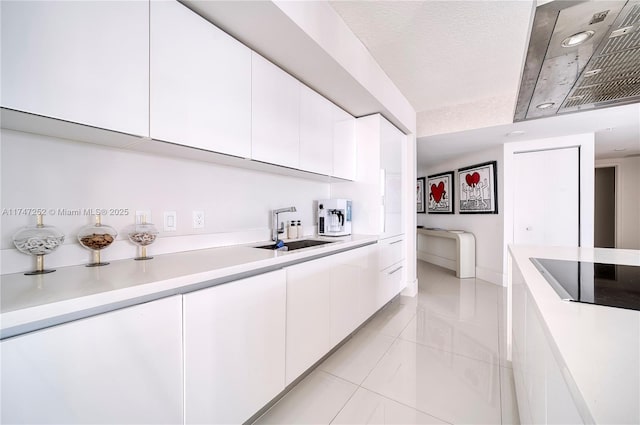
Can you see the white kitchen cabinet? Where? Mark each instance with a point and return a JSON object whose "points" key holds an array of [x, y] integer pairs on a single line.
{"points": [[200, 83], [377, 192], [348, 286], [371, 283], [316, 132], [391, 146], [391, 256], [542, 390], [391, 251], [344, 144], [84, 62], [123, 366], [234, 339], [308, 314], [391, 283], [392, 152], [275, 114], [327, 299]]}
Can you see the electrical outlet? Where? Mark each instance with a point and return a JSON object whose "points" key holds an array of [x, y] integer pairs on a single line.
{"points": [[198, 219], [143, 216], [170, 221]]}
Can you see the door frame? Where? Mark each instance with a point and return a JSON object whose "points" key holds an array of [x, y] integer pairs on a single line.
{"points": [[616, 178]]}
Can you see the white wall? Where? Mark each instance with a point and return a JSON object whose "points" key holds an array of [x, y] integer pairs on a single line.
{"points": [[627, 200], [487, 228], [44, 172]]}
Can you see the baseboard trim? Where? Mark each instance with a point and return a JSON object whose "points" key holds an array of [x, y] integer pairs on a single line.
{"points": [[438, 261], [411, 290], [490, 276]]}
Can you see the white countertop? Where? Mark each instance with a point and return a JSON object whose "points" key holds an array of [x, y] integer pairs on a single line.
{"points": [[31, 302], [600, 345]]}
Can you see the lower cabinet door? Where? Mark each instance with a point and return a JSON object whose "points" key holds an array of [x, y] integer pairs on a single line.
{"points": [[346, 295], [119, 367], [353, 291], [234, 348], [308, 314]]}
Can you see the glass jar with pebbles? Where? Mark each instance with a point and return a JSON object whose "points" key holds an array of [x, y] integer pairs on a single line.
{"points": [[38, 240], [142, 235], [96, 237]]}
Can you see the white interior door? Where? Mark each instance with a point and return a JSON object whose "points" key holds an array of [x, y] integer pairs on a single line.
{"points": [[547, 197]]}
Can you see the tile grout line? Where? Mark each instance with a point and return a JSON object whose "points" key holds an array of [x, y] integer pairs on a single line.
{"points": [[388, 348], [346, 402], [396, 338], [359, 386], [422, 344], [406, 405]]}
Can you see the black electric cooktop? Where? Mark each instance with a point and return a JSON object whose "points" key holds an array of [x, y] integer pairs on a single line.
{"points": [[613, 285]]}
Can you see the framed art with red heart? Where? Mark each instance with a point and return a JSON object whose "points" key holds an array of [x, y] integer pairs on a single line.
{"points": [[420, 195], [440, 188], [478, 189]]}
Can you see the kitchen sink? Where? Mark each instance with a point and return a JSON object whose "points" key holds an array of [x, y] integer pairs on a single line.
{"points": [[291, 246]]}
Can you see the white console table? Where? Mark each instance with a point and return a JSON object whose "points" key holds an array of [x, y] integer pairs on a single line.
{"points": [[436, 246]]}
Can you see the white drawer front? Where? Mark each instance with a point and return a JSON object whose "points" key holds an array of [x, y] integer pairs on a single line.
{"points": [[391, 251]]}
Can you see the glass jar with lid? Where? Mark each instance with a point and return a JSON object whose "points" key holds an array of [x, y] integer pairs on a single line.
{"points": [[38, 240], [142, 234], [96, 237]]}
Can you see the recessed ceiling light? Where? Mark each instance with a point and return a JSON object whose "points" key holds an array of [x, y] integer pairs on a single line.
{"points": [[578, 38], [620, 149], [545, 105], [515, 133]]}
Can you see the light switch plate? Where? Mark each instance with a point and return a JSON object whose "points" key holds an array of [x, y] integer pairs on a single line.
{"points": [[170, 221]]}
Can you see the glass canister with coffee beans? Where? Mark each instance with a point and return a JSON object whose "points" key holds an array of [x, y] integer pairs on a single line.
{"points": [[96, 237]]}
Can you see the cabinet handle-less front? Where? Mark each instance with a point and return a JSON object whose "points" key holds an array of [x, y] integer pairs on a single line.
{"points": [[395, 270], [396, 241], [383, 205]]}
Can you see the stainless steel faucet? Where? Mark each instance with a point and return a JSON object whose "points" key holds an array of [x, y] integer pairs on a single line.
{"points": [[275, 230]]}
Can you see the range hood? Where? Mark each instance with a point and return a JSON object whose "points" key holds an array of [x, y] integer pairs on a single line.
{"points": [[582, 55]]}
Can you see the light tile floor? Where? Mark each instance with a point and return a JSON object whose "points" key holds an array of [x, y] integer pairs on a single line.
{"points": [[438, 357]]}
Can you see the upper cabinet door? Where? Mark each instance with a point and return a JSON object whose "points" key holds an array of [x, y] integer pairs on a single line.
{"points": [[391, 145], [80, 61], [344, 144], [275, 114], [200, 83], [316, 132]]}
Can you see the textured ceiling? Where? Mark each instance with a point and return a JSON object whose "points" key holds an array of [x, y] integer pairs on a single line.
{"points": [[459, 64], [614, 128], [444, 53]]}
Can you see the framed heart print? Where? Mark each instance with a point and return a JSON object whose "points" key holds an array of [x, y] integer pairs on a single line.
{"points": [[440, 190], [420, 196], [478, 189]]}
